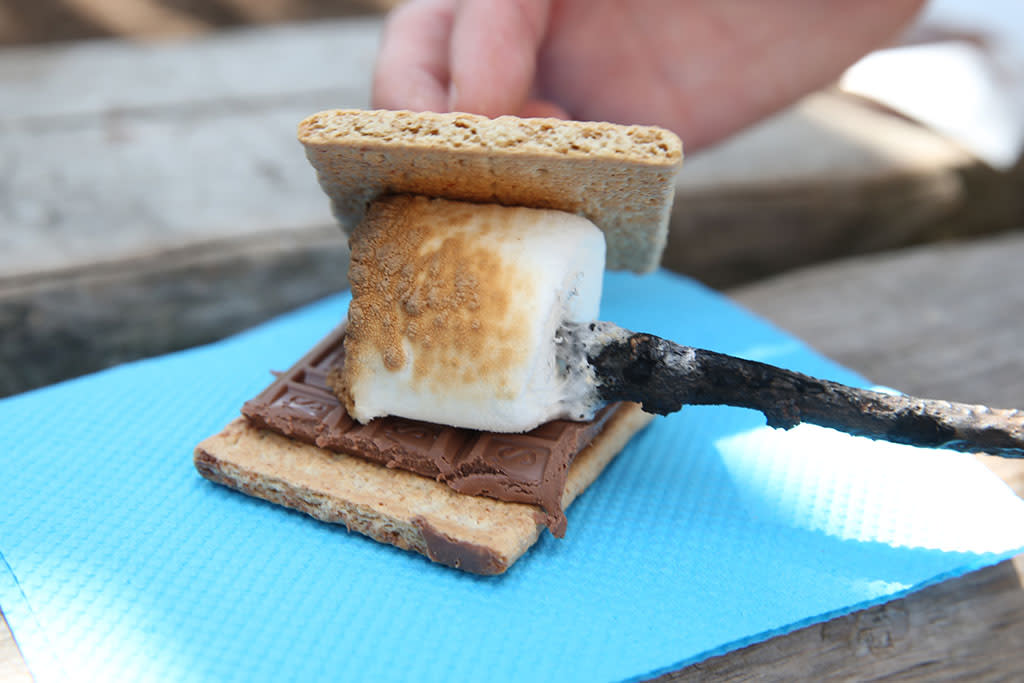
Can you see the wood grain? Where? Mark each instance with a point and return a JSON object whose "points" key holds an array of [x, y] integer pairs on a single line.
{"points": [[76, 322], [970, 628], [941, 321], [34, 21]]}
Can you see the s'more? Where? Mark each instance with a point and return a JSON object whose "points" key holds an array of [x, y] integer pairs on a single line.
{"points": [[437, 417]]}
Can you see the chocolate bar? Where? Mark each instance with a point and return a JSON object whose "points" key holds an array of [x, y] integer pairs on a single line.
{"points": [[521, 468]]}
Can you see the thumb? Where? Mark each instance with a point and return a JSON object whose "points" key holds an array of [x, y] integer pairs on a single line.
{"points": [[493, 58]]}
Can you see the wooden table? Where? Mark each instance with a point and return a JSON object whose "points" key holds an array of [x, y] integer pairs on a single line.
{"points": [[159, 249]]}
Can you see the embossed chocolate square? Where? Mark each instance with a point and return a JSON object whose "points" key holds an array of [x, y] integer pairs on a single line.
{"points": [[521, 468]]}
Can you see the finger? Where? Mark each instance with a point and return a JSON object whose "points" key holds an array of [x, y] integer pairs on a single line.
{"points": [[494, 54], [543, 109], [412, 62]]}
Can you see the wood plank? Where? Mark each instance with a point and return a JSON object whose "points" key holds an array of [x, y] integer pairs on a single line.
{"points": [[71, 82], [177, 144], [23, 23], [827, 179], [173, 299], [970, 628], [944, 320]]}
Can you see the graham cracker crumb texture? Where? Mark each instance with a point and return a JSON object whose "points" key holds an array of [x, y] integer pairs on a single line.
{"points": [[619, 177], [571, 138]]}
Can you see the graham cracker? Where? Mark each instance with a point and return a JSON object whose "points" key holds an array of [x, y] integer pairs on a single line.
{"points": [[619, 177], [472, 533]]}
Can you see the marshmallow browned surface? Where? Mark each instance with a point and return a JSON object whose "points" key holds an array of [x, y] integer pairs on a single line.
{"points": [[455, 309], [619, 177]]}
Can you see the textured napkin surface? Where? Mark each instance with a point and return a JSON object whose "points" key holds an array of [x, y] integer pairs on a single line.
{"points": [[709, 532]]}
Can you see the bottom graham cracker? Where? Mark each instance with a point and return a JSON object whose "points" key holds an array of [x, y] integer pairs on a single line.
{"points": [[472, 533]]}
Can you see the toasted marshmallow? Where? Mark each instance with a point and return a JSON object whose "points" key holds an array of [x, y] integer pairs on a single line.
{"points": [[454, 312]]}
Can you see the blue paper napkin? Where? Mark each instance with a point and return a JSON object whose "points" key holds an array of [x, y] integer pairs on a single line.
{"points": [[709, 532]]}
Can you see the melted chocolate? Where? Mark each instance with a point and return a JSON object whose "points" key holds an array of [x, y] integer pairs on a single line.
{"points": [[469, 557], [522, 468]]}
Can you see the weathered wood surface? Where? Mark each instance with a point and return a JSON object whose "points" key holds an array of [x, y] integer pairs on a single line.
{"points": [[138, 180], [944, 321], [828, 179], [24, 22], [965, 629], [112, 151]]}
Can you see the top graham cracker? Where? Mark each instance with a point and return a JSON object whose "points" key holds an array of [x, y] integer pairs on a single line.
{"points": [[619, 177]]}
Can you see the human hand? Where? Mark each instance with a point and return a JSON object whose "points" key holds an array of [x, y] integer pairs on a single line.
{"points": [[702, 68]]}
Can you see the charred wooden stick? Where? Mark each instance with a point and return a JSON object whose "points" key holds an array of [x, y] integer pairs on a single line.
{"points": [[664, 376]]}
